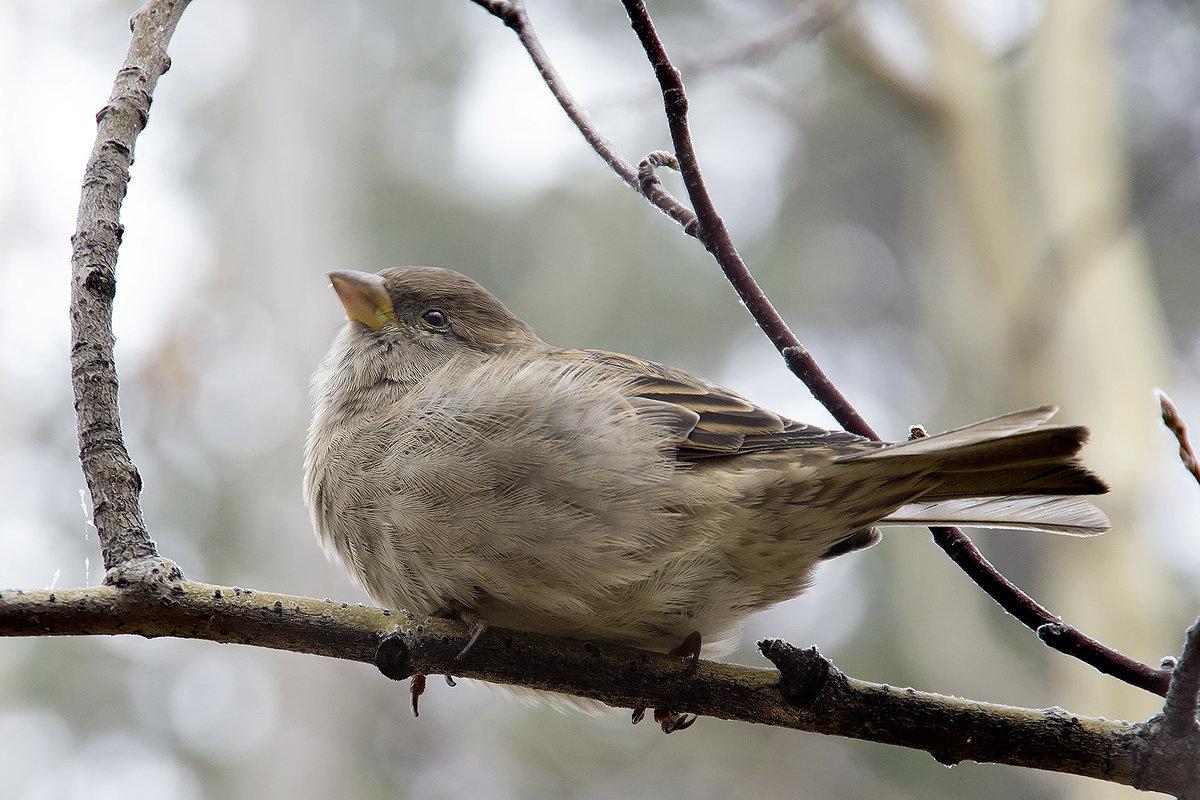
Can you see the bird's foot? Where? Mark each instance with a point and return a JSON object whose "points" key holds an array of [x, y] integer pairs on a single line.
{"points": [[672, 721]]}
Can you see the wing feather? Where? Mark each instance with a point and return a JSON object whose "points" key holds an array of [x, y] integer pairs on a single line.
{"points": [[714, 421]]}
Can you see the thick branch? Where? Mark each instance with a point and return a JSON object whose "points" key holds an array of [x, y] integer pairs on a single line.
{"points": [[151, 599], [111, 475]]}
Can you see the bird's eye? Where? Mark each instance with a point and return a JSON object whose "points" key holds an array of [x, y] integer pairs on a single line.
{"points": [[435, 319]]}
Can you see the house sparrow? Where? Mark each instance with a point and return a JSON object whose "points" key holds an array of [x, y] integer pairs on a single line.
{"points": [[458, 464]]}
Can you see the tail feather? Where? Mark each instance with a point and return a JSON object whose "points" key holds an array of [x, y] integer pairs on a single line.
{"points": [[1011, 471], [1004, 426], [1065, 515], [1070, 478]]}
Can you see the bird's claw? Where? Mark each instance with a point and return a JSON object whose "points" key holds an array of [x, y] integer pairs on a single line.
{"points": [[478, 626], [464, 613], [416, 688], [672, 721]]}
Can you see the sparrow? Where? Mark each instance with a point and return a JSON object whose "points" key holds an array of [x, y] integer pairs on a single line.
{"points": [[458, 465]]}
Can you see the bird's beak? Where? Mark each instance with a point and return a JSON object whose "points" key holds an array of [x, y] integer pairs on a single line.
{"points": [[364, 297]]}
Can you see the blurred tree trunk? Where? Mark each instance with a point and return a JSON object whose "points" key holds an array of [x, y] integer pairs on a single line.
{"points": [[1107, 344], [1040, 291]]}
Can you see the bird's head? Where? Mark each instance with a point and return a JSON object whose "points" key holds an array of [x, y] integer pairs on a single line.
{"points": [[422, 317]]}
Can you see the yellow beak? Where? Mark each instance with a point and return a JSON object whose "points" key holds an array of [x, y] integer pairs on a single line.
{"points": [[364, 297]]}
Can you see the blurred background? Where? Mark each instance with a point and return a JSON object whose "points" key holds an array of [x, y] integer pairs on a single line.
{"points": [[964, 207]]}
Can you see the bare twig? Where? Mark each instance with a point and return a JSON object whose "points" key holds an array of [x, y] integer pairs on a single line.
{"points": [[111, 476], [151, 599], [1074, 642], [650, 185], [1053, 632], [712, 233]]}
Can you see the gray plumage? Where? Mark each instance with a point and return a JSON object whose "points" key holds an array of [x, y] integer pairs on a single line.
{"points": [[457, 462]]}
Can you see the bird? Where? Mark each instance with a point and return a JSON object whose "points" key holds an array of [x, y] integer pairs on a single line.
{"points": [[458, 465]]}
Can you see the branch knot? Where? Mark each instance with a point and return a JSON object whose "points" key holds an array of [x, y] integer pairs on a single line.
{"points": [[393, 657], [803, 673], [101, 281], [154, 574]]}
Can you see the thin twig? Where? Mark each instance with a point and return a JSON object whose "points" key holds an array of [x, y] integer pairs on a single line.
{"points": [[713, 234], [111, 476]]}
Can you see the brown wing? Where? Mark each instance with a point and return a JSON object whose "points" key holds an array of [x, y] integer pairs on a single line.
{"points": [[714, 421]]}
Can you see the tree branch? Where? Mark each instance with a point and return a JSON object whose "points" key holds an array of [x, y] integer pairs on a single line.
{"points": [[150, 598], [111, 476]]}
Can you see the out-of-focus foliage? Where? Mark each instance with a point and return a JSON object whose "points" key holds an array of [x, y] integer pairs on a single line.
{"points": [[887, 211]]}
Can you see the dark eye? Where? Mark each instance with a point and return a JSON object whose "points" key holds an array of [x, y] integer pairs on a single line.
{"points": [[435, 319]]}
